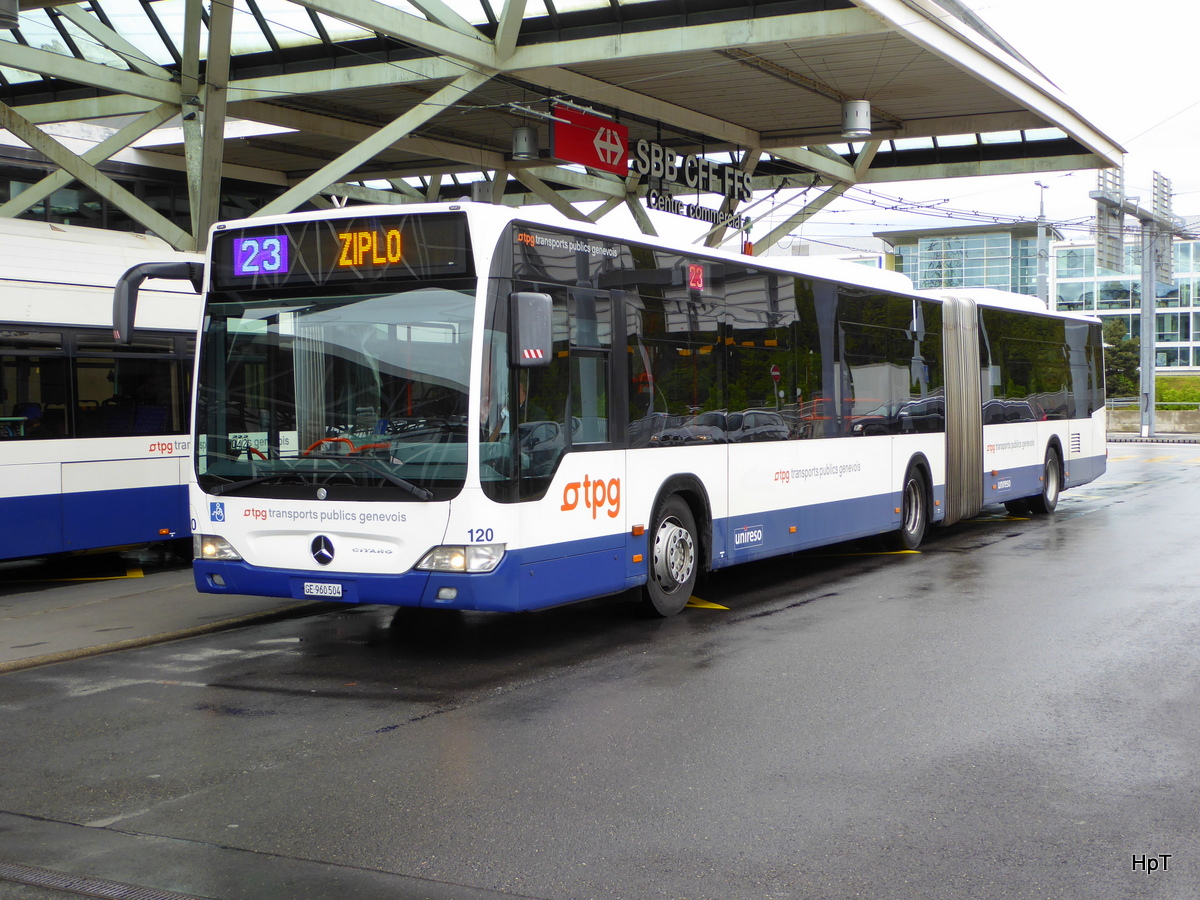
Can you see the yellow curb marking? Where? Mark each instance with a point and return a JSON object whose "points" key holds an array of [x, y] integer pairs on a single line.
{"points": [[134, 572]]}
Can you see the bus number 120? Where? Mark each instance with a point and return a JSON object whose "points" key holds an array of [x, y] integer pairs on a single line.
{"points": [[480, 535]]}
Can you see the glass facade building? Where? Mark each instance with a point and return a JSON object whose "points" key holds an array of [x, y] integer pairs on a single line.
{"points": [[1006, 259], [1079, 285]]}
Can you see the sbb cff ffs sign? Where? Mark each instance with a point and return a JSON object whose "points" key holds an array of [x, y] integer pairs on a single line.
{"points": [[592, 141]]}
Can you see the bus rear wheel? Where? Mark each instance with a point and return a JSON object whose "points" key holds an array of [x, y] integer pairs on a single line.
{"points": [[674, 558], [914, 511], [1046, 502]]}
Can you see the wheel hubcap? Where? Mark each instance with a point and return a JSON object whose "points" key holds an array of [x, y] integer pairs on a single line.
{"points": [[912, 507], [674, 554]]}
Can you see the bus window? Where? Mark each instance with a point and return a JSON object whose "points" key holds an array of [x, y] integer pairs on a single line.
{"points": [[891, 370], [762, 361], [589, 399], [35, 397], [674, 338]]}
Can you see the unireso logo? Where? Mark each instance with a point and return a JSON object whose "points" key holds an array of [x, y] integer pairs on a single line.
{"points": [[748, 535]]}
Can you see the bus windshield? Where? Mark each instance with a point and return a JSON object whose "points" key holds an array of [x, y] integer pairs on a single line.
{"points": [[360, 397]]}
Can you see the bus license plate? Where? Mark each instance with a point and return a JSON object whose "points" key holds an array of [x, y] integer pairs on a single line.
{"points": [[316, 589]]}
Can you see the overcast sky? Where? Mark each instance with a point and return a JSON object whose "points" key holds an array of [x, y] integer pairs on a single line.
{"points": [[1128, 68]]}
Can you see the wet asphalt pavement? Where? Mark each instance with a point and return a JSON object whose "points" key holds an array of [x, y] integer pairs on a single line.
{"points": [[1012, 713]]}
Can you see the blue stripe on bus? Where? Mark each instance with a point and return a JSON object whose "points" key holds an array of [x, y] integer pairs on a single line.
{"points": [[1026, 481], [553, 574], [525, 579], [30, 526], [762, 535], [1084, 469], [56, 523]]}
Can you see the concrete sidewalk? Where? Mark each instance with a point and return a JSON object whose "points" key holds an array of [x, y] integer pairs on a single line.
{"points": [[1132, 437], [58, 609]]}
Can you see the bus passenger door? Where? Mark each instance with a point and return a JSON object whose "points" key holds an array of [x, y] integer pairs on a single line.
{"points": [[572, 518]]}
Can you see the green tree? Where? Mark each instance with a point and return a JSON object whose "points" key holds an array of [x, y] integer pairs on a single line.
{"points": [[1121, 360]]}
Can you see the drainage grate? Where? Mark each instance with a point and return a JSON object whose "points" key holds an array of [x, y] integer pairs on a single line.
{"points": [[88, 887]]}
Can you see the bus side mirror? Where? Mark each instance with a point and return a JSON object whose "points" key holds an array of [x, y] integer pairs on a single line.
{"points": [[126, 290], [531, 336]]}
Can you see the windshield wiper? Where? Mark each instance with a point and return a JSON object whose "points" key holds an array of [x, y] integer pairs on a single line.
{"points": [[232, 486], [419, 492]]}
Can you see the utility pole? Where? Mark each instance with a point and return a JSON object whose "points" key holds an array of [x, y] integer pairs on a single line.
{"points": [[1043, 250], [1158, 229]]}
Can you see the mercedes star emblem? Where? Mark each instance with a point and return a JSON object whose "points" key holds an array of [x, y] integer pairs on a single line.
{"points": [[322, 549]]}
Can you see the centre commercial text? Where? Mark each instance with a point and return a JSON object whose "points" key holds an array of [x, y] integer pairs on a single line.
{"points": [[694, 173]]}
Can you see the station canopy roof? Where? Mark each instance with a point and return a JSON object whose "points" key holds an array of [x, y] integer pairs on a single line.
{"points": [[394, 101]]}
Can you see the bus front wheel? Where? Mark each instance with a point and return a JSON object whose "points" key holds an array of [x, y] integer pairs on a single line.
{"points": [[674, 558], [1047, 500], [914, 511]]}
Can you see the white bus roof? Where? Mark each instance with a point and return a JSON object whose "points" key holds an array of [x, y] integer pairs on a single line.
{"points": [[64, 275], [71, 254], [492, 217]]}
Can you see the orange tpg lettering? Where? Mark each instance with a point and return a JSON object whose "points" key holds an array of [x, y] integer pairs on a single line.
{"points": [[596, 494]]}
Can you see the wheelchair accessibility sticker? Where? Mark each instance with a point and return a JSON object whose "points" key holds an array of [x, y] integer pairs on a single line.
{"points": [[216, 512]]}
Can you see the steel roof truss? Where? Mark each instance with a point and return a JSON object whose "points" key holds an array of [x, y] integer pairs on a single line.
{"points": [[86, 108], [595, 184], [55, 65], [207, 163], [373, 16], [366, 194], [412, 71], [114, 143], [376, 143], [548, 195], [439, 12], [302, 120], [134, 57], [606, 207], [94, 179], [1019, 166], [633, 103], [509, 28], [836, 168], [745, 33], [810, 209], [403, 187], [716, 235]]}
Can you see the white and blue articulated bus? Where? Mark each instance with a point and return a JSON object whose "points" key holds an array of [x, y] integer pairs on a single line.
{"points": [[95, 445], [95, 439], [468, 407]]}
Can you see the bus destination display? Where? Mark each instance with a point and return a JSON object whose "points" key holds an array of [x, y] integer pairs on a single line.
{"points": [[367, 248]]}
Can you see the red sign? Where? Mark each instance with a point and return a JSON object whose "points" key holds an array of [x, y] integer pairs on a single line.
{"points": [[589, 140], [775, 374]]}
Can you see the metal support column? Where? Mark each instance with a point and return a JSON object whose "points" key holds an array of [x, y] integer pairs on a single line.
{"points": [[1149, 331]]}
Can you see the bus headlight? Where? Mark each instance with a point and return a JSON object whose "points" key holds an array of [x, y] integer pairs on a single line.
{"points": [[462, 558], [210, 546]]}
